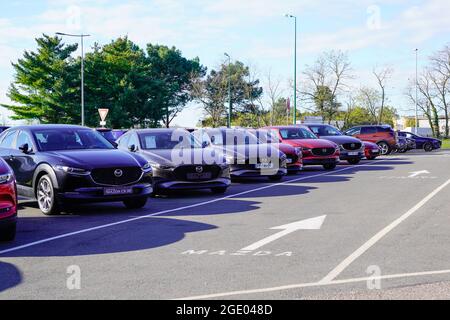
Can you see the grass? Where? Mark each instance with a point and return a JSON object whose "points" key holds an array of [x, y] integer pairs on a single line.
{"points": [[446, 144]]}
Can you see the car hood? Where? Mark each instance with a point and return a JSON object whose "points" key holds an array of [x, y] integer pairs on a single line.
{"points": [[251, 150], [341, 139], [90, 159], [311, 143], [176, 157]]}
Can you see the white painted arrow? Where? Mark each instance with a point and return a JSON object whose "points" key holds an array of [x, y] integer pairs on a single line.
{"points": [[308, 224], [417, 173]]}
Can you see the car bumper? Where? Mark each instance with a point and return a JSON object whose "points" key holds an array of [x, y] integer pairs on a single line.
{"points": [[246, 172], [8, 221], [192, 185], [96, 194], [350, 155], [294, 167], [319, 161]]}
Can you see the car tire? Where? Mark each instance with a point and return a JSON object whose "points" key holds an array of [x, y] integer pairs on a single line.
{"points": [[9, 233], [135, 203], [219, 190], [354, 161], [384, 148], [428, 147], [46, 196], [275, 178], [329, 166]]}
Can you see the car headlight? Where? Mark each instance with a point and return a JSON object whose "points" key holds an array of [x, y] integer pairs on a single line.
{"points": [[306, 149], [147, 166], [363, 146], [71, 170], [340, 147], [297, 151], [164, 166], [230, 159], [5, 178]]}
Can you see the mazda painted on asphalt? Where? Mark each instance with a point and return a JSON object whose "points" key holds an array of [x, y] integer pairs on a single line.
{"points": [[63, 164], [179, 160]]}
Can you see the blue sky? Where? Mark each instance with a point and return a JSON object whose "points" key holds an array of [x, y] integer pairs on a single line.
{"points": [[374, 33]]}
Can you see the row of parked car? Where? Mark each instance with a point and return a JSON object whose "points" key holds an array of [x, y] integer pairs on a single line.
{"points": [[63, 165]]}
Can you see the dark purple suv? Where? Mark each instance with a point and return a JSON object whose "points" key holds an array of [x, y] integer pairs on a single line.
{"points": [[62, 164]]}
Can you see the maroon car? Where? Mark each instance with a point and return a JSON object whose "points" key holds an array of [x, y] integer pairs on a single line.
{"points": [[8, 203]]}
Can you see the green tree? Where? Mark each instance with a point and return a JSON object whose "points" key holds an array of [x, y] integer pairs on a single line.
{"points": [[212, 92], [175, 76], [326, 104], [45, 84]]}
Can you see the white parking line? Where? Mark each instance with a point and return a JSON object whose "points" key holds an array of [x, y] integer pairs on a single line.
{"points": [[66, 235], [315, 284], [366, 246]]}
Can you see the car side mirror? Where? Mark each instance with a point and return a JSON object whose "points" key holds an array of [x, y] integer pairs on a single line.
{"points": [[25, 148], [205, 144], [132, 148]]}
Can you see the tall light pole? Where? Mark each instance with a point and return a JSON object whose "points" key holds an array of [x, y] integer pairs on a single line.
{"points": [[295, 65], [417, 86], [229, 91], [81, 36]]}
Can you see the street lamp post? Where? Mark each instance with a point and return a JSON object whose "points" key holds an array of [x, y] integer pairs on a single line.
{"points": [[229, 91], [295, 65], [417, 85], [81, 36]]}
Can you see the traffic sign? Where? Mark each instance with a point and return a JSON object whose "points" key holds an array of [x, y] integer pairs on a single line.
{"points": [[103, 113]]}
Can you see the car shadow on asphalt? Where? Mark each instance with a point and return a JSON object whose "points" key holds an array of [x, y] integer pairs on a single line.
{"points": [[143, 234], [10, 276]]}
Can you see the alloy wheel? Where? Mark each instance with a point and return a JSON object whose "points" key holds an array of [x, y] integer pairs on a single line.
{"points": [[45, 195]]}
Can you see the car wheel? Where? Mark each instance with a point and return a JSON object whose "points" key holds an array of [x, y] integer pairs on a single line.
{"points": [[45, 194], [9, 233], [219, 190], [135, 203], [330, 166], [384, 148], [275, 178], [428, 147], [354, 161]]}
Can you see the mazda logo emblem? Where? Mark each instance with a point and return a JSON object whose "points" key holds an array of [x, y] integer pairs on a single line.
{"points": [[118, 173], [324, 150], [353, 145], [199, 169]]}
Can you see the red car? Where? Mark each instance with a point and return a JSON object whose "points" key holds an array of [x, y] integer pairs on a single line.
{"points": [[294, 155], [383, 135], [315, 151], [371, 150], [8, 203]]}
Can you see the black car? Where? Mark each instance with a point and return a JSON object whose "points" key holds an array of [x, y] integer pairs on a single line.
{"points": [[62, 164], [427, 144], [352, 149], [179, 161], [247, 155]]}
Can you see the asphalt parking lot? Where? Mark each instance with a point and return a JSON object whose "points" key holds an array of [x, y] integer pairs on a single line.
{"points": [[375, 230]]}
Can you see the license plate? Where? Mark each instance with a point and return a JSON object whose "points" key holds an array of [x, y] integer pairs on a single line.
{"points": [[118, 191], [264, 165], [199, 176], [353, 153]]}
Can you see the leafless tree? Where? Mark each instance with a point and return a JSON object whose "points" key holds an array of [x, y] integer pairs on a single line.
{"points": [[331, 70], [439, 75], [382, 75]]}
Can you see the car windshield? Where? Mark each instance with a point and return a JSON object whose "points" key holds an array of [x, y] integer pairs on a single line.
{"points": [[108, 135], [168, 140], [238, 137], [296, 133], [325, 131], [70, 139]]}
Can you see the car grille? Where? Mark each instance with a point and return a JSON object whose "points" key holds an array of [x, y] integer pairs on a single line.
{"points": [[106, 176], [323, 151], [293, 158], [352, 146], [181, 173]]}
